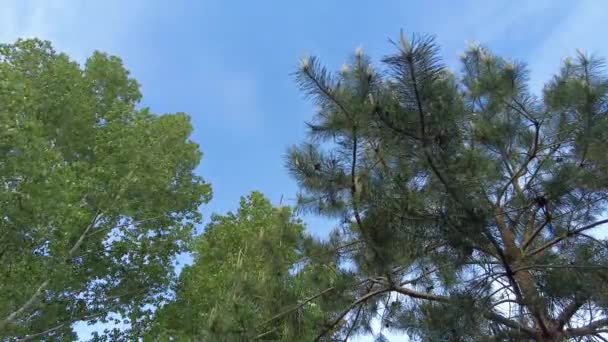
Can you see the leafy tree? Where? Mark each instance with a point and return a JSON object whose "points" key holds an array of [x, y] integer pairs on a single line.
{"points": [[97, 195], [244, 283], [466, 200]]}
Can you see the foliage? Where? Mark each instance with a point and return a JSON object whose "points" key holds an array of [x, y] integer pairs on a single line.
{"points": [[243, 275], [97, 195], [467, 206], [466, 200]]}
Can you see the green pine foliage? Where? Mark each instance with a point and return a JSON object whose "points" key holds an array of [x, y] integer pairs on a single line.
{"points": [[467, 201]]}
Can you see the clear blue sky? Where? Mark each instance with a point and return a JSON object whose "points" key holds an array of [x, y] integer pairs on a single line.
{"points": [[228, 63]]}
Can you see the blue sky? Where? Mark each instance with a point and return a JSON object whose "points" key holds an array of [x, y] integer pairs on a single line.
{"points": [[228, 63]]}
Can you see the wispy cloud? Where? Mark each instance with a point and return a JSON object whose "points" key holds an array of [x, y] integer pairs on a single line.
{"points": [[26, 18], [539, 32], [584, 27], [76, 27]]}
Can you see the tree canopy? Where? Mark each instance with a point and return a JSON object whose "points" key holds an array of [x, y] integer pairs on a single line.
{"points": [[467, 206], [245, 274], [97, 195], [473, 199]]}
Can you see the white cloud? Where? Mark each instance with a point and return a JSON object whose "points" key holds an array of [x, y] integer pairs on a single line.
{"points": [[35, 18], [74, 27]]}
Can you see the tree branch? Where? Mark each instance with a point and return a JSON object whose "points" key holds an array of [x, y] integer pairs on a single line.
{"points": [[327, 92], [423, 275], [84, 234], [299, 306], [40, 334], [30, 302], [392, 126], [57, 327], [532, 151], [509, 323], [420, 295], [588, 329], [565, 236], [34, 297], [533, 235], [569, 311], [352, 327], [361, 300]]}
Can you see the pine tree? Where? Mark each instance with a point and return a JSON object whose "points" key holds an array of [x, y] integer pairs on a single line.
{"points": [[467, 202]]}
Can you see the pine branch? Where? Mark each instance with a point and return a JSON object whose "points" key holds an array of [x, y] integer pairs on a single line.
{"points": [[420, 295], [566, 236], [392, 126], [532, 153], [359, 301], [355, 203], [547, 266], [589, 329], [423, 275], [354, 324], [510, 323], [531, 238], [321, 85], [333, 250], [569, 311]]}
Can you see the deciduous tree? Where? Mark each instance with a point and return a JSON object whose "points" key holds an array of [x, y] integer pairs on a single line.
{"points": [[245, 283], [97, 195]]}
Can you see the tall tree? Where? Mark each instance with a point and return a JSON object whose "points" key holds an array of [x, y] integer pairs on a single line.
{"points": [[470, 200], [97, 195], [245, 282]]}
